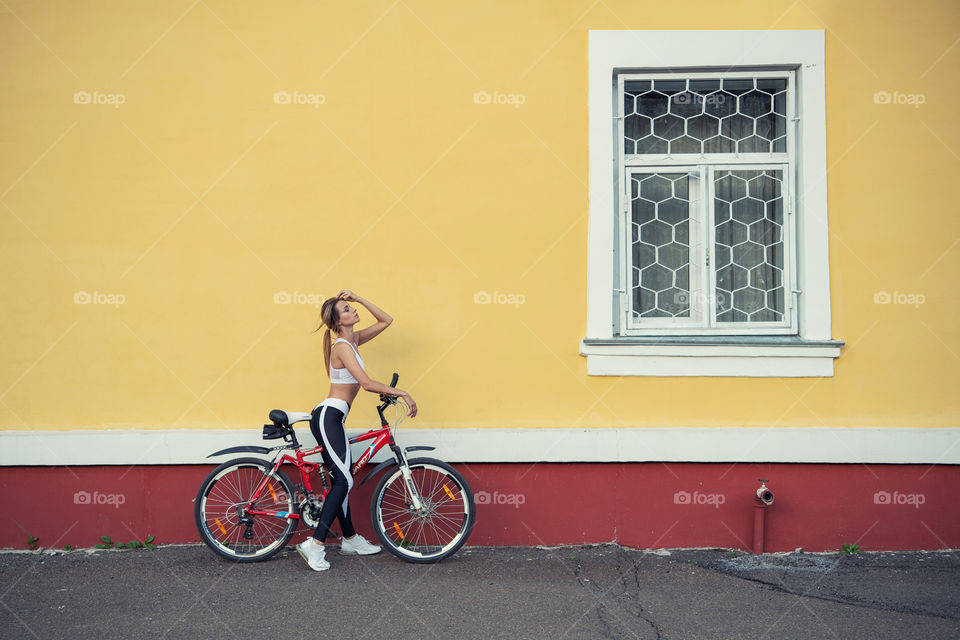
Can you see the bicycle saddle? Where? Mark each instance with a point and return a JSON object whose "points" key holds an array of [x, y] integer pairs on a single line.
{"points": [[287, 418]]}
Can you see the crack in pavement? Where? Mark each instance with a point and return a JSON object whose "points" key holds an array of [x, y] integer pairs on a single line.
{"points": [[627, 599], [874, 605]]}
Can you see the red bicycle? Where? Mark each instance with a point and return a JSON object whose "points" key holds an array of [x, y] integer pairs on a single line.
{"points": [[247, 509]]}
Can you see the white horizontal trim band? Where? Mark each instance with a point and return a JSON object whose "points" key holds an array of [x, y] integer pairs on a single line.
{"points": [[789, 360], [709, 366], [873, 445], [701, 350]]}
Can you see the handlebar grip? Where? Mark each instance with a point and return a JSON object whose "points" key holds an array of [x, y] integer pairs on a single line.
{"points": [[393, 383]]}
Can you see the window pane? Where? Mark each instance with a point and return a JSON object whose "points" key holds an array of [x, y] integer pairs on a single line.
{"points": [[748, 258], [731, 115], [660, 250]]}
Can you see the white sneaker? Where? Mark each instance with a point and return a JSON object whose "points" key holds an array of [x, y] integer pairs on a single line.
{"points": [[314, 553], [358, 546]]}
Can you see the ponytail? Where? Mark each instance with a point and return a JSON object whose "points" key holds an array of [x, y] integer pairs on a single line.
{"points": [[326, 351], [328, 319]]}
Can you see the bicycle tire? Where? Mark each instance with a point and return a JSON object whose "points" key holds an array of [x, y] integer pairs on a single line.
{"points": [[431, 537], [231, 484]]}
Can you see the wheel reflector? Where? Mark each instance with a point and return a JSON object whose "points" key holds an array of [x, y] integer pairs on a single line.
{"points": [[220, 526], [397, 527], [449, 493]]}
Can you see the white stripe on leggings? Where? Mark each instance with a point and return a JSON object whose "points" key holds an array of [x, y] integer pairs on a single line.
{"points": [[343, 465]]}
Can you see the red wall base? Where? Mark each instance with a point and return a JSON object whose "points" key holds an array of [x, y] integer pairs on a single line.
{"points": [[644, 505]]}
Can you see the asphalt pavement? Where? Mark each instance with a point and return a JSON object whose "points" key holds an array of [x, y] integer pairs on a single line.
{"points": [[605, 591]]}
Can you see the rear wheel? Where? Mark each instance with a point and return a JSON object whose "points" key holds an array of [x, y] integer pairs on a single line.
{"points": [[440, 528], [221, 510]]}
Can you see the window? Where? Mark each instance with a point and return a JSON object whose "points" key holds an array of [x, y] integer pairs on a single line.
{"points": [[708, 234], [706, 217]]}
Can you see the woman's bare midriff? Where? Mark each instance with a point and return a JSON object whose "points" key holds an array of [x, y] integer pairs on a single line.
{"points": [[346, 392]]}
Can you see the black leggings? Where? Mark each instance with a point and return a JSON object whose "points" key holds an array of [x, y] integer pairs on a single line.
{"points": [[326, 424]]}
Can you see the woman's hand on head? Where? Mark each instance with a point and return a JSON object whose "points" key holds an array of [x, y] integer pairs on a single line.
{"points": [[348, 295]]}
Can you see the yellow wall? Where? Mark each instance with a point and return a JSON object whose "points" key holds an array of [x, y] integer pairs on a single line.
{"points": [[199, 198]]}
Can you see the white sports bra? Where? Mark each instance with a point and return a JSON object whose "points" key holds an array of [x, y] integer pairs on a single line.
{"points": [[343, 376]]}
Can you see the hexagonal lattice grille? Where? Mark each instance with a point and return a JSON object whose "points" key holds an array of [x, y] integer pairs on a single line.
{"points": [[748, 213], [660, 245], [730, 115]]}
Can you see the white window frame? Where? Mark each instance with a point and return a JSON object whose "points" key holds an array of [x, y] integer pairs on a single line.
{"points": [[810, 351], [703, 164], [702, 231]]}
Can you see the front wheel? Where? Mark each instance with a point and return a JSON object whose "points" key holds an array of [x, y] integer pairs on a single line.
{"points": [[443, 524], [222, 506]]}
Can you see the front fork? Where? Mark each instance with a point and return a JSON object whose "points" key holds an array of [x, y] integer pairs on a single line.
{"points": [[401, 457]]}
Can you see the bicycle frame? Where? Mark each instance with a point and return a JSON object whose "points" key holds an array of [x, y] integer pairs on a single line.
{"points": [[381, 437]]}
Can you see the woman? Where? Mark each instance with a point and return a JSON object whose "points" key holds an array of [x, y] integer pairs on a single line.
{"points": [[347, 376]]}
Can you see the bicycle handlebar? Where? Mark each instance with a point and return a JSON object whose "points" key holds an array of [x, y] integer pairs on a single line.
{"points": [[387, 400]]}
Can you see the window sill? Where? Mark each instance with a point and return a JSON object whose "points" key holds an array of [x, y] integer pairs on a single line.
{"points": [[734, 356]]}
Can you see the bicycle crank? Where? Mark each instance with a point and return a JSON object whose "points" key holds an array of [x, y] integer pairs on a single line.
{"points": [[310, 508]]}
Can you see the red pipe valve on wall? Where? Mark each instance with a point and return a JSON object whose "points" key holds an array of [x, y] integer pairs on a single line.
{"points": [[763, 499], [764, 494]]}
